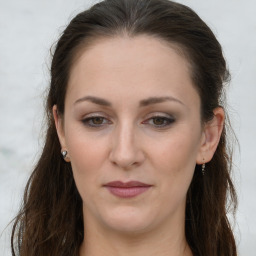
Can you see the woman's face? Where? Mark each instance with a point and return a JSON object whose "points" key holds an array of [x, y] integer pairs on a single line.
{"points": [[132, 114]]}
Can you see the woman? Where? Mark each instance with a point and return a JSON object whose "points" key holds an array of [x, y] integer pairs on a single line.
{"points": [[135, 160]]}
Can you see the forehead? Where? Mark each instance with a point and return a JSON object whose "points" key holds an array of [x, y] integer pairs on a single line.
{"points": [[141, 64], [142, 51]]}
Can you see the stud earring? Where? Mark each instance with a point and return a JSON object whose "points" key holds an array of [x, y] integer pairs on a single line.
{"points": [[64, 154], [203, 168]]}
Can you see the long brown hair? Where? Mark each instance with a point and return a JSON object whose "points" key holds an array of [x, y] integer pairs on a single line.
{"points": [[50, 221]]}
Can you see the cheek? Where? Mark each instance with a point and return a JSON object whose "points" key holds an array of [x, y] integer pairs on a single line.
{"points": [[87, 154], [177, 151], [174, 160]]}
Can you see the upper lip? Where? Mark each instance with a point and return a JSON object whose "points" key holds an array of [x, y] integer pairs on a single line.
{"points": [[128, 184]]}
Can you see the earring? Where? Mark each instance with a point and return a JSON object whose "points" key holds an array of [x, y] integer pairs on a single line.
{"points": [[64, 154], [203, 168]]}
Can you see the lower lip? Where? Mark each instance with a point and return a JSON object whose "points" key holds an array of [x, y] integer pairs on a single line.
{"points": [[127, 192]]}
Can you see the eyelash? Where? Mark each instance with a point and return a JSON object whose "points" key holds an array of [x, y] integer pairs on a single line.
{"points": [[167, 121], [88, 121]]}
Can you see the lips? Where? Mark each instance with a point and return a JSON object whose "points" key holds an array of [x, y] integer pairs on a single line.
{"points": [[127, 189]]}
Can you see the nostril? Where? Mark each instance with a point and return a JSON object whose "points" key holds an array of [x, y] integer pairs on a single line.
{"points": [[126, 160]]}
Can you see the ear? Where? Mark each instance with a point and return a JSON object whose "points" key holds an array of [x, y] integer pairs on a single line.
{"points": [[59, 127], [211, 136]]}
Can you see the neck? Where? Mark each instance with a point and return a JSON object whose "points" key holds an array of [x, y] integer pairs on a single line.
{"points": [[162, 242]]}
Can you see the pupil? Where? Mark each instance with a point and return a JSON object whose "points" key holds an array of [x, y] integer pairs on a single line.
{"points": [[158, 121], [98, 120]]}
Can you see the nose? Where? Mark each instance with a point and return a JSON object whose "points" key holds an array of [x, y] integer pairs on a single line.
{"points": [[126, 149]]}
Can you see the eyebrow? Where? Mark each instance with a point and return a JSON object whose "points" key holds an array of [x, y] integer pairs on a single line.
{"points": [[143, 103], [155, 100], [95, 100]]}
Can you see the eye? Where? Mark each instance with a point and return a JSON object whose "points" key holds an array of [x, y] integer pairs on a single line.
{"points": [[160, 121], [95, 121]]}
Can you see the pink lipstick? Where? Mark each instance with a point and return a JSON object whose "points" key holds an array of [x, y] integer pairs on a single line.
{"points": [[127, 189]]}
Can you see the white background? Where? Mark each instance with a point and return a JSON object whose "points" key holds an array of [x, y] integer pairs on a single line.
{"points": [[27, 30]]}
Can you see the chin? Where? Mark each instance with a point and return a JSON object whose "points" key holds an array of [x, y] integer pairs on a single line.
{"points": [[128, 220]]}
